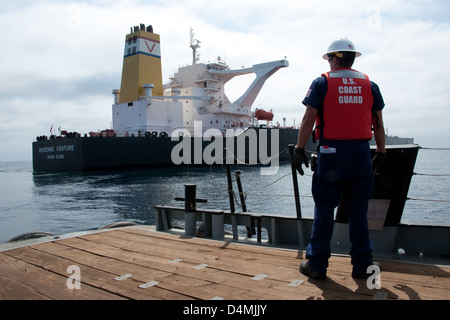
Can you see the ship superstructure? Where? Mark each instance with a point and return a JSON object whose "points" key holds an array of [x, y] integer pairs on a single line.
{"points": [[196, 93]]}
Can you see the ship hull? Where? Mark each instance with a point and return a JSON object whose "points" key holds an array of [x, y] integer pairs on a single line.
{"points": [[117, 153], [260, 145]]}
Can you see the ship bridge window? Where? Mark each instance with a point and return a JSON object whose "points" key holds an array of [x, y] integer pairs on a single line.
{"points": [[134, 39], [129, 40], [134, 49]]}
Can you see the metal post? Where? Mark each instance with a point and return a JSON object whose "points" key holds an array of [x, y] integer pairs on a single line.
{"points": [[258, 224], [241, 192], [250, 230], [190, 191], [230, 188], [190, 208], [295, 182], [218, 226]]}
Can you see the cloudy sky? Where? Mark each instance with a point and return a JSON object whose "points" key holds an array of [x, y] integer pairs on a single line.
{"points": [[60, 60]]}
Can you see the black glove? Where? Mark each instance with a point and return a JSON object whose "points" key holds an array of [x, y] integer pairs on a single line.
{"points": [[378, 161], [299, 159]]}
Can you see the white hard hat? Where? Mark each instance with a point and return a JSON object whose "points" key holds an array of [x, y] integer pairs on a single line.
{"points": [[341, 45]]}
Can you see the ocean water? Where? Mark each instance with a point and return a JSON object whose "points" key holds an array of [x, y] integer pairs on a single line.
{"points": [[61, 203]]}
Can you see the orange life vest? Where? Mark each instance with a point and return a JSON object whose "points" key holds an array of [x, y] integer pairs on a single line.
{"points": [[347, 108]]}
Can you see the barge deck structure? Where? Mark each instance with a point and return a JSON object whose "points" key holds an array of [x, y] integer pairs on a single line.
{"points": [[137, 262]]}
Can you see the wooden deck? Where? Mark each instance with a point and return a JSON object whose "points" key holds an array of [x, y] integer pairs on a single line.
{"points": [[172, 267]]}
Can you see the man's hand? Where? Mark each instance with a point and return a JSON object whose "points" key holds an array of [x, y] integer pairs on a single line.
{"points": [[300, 158], [378, 161]]}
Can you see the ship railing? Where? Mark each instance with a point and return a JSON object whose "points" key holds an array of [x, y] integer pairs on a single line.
{"points": [[217, 224], [175, 98]]}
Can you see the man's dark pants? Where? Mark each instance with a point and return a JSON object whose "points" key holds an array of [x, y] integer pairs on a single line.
{"points": [[345, 174]]}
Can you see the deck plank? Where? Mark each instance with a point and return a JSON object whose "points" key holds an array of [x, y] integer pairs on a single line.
{"points": [[13, 290], [46, 283], [92, 276], [40, 271]]}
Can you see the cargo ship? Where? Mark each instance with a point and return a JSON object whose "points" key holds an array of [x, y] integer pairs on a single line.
{"points": [[187, 121]]}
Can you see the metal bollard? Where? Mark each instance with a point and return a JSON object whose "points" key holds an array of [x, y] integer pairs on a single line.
{"points": [[190, 208]]}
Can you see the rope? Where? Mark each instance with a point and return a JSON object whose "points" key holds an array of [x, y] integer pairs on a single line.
{"points": [[425, 148], [236, 194], [260, 186], [269, 184], [430, 200], [431, 175], [274, 195], [268, 160]]}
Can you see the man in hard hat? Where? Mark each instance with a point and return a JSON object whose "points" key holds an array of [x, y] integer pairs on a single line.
{"points": [[345, 105]]}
